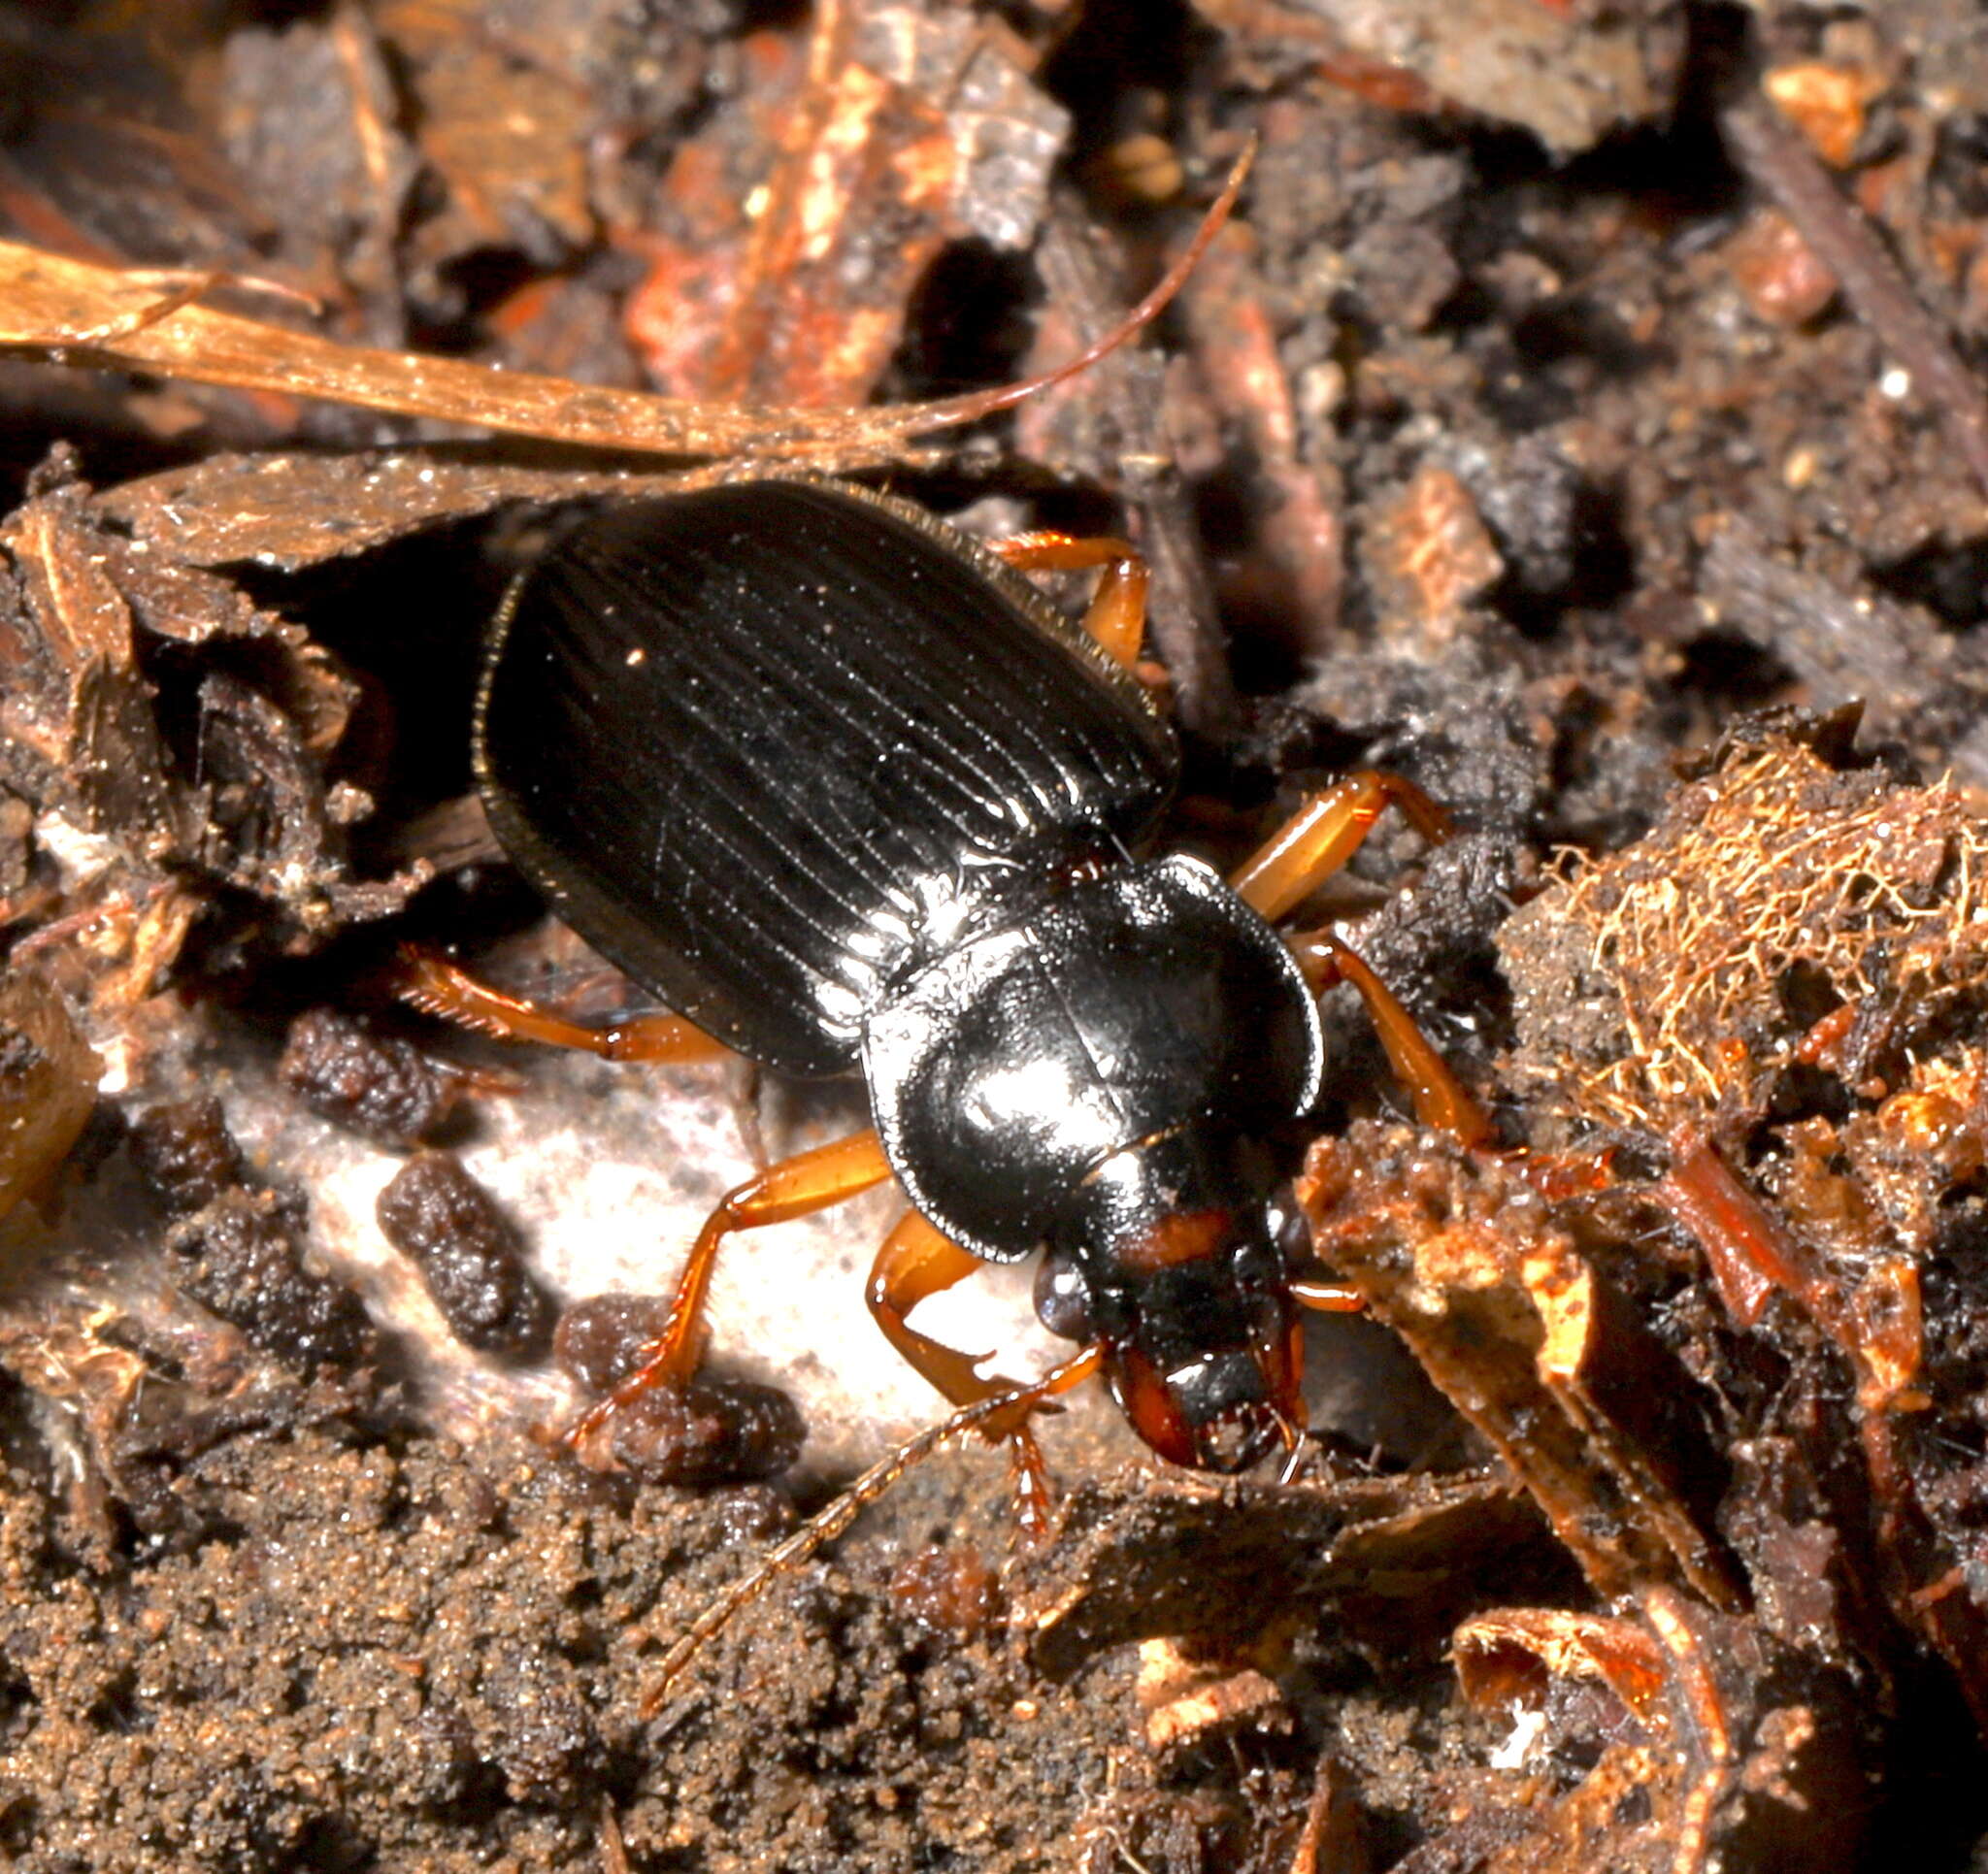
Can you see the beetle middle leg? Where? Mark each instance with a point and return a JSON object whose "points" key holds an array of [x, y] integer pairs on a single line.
{"points": [[1317, 840], [439, 988], [795, 1187], [1116, 614], [914, 1262]]}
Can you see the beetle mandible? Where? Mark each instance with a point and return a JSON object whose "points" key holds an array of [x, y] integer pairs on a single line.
{"points": [[839, 785]]}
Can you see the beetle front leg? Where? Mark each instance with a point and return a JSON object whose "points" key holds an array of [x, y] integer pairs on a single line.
{"points": [[1317, 840], [1312, 844], [440, 988], [916, 1261], [795, 1187], [1439, 1096], [1116, 615]]}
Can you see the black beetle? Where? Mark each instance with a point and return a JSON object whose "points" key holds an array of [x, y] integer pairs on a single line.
{"points": [[840, 786]]}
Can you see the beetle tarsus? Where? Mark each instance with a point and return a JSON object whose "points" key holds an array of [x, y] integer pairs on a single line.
{"points": [[442, 989], [1030, 1491], [993, 1417]]}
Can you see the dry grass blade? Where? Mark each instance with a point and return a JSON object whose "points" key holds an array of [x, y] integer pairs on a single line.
{"points": [[70, 311]]}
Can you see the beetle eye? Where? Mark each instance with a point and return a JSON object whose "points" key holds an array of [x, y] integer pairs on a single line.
{"points": [[1288, 1228], [1062, 1298]]}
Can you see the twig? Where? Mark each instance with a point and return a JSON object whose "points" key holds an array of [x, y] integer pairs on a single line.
{"points": [[1776, 159], [1130, 389]]}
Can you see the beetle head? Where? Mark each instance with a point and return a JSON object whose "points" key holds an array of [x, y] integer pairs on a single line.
{"points": [[1171, 1267]]}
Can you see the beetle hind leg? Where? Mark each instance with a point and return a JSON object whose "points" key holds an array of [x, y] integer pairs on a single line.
{"points": [[1116, 615]]}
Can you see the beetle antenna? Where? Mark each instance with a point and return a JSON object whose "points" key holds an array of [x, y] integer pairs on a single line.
{"points": [[825, 1525], [1293, 1435], [819, 1530]]}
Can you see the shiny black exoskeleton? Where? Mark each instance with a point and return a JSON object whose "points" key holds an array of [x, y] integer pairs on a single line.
{"points": [[842, 789]]}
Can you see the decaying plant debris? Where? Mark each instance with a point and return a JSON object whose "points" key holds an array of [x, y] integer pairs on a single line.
{"points": [[1578, 416]]}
